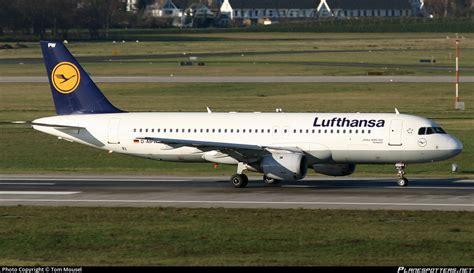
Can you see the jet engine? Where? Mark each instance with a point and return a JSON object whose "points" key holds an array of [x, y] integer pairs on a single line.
{"points": [[284, 166], [335, 169]]}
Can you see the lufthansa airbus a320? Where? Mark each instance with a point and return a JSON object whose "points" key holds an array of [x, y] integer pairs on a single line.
{"points": [[281, 146]]}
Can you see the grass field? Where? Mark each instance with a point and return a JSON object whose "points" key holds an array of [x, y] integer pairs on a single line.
{"points": [[400, 50], [28, 151], [197, 237]]}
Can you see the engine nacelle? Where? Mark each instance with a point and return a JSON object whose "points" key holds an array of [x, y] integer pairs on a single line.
{"points": [[335, 169], [284, 166]]}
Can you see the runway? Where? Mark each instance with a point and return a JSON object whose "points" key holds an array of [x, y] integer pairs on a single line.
{"points": [[252, 79], [204, 192]]}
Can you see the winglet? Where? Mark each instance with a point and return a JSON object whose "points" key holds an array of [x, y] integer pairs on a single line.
{"points": [[208, 110], [396, 111]]}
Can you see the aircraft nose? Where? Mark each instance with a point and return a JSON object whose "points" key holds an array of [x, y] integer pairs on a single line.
{"points": [[454, 146]]}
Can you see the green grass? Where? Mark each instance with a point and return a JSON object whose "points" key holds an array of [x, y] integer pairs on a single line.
{"points": [[172, 236], [377, 48], [27, 151]]}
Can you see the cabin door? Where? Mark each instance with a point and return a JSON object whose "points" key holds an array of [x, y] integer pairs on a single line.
{"points": [[395, 138]]}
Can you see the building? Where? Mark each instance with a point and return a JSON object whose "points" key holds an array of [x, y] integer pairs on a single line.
{"points": [[274, 9], [367, 8], [164, 8]]}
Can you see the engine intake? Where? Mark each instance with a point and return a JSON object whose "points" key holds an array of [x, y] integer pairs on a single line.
{"points": [[284, 166]]}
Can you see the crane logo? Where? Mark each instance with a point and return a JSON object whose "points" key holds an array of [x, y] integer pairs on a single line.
{"points": [[65, 77]]}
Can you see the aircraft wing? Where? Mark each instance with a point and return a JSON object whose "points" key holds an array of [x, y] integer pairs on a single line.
{"points": [[236, 150]]}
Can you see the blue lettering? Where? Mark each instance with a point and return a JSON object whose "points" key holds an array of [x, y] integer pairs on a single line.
{"points": [[344, 122]]}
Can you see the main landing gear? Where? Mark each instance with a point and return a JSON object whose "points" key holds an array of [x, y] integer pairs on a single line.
{"points": [[402, 181], [240, 180]]}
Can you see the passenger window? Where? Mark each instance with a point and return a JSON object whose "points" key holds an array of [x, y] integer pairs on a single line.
{"points": [[146, 130], [164, 130], [134, 130], [158, 130], [368, 131], [152, 130]]}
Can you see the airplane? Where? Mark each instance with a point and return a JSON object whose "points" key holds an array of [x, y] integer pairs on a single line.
{"points": [[281, 146]]}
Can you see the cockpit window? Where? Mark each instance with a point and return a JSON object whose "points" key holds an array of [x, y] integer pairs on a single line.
{"points": [[431, 130], [439, 130]]}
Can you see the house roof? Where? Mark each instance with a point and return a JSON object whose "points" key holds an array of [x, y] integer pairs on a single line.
{"points": [[277, 4], [369, 4]]}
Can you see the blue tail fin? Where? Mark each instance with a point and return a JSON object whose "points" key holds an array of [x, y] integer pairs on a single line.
{"points": [[74, 92]]}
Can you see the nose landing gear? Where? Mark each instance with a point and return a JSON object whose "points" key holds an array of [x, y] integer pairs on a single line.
{"points": [[402, 181]]}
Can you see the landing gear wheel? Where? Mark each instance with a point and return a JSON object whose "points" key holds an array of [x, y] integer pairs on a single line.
{"points": [[402, 182], [270, 181], [239, 180]]}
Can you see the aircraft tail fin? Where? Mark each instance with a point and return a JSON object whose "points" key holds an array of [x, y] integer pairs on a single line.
{"points": [[73, 90]]}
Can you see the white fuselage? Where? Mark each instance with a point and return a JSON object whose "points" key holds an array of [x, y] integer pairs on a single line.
{"points": [[323, 137]]}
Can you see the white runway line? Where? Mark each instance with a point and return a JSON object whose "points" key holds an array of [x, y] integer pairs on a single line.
{"points": [[38, 192], [236, 202], [28, 183], [96, 179]]}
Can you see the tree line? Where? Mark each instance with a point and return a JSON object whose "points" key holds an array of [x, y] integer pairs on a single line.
{"points": [[60, 16], [57, 18]]}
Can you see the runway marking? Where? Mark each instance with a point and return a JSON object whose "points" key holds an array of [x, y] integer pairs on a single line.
{"points": [[237, 202], [375, 186], [39, 192], [97, 179], [28, 183], [434, 188]]}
